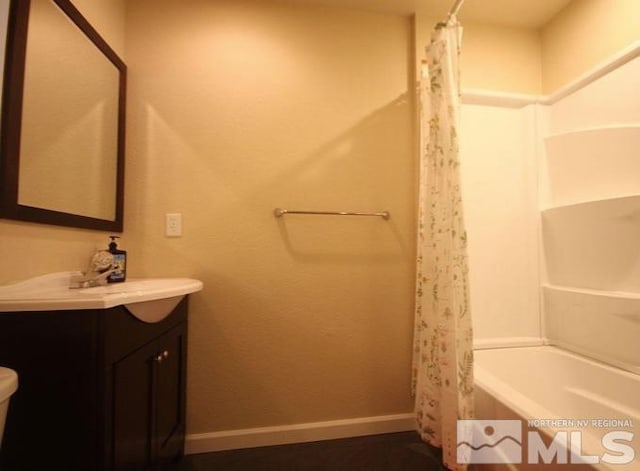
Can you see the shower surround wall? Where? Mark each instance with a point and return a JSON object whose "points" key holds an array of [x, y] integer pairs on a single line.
{"points": [[580, 153], [591, 219], [499, 186]]}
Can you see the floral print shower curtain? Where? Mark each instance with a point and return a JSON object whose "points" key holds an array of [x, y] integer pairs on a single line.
{"points": [[443, 344]]}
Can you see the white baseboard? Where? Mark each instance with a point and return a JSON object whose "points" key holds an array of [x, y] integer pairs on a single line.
{"points": [[298, 433]]}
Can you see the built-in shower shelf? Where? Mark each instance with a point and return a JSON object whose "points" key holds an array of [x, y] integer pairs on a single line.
{"points": [[593, 164], [603, 324], [631, 201], [602, 130], [634, 296], [594, 244]]}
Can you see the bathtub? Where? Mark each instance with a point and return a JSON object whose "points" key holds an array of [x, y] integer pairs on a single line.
{"points": [[555, 393]]}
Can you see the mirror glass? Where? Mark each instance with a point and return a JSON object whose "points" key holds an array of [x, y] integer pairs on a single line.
{"points": [[68, 144], [66, 134]]}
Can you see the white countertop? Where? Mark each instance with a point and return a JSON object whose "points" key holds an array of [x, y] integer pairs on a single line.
{"points": [[52, 293]]}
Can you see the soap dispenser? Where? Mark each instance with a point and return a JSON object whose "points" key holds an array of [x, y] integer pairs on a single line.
{"points": [[119, 260]]}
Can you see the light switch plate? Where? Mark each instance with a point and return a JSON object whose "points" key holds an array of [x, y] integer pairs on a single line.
{"points": [[173, 225]]}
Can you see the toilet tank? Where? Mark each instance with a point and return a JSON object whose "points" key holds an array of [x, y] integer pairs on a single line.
{"points": [[8, 385]]}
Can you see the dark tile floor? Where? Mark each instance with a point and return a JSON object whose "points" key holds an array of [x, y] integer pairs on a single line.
{"points": [[389, 452]]}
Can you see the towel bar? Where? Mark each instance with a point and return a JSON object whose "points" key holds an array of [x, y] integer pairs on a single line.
{"points": [[279, 212]]}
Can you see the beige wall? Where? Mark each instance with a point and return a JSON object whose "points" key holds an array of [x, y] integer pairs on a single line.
{"points": [[496, 58], [107, 17], [235, 108], [518, 60], [27, 249], [500, 59], [583, 35]]}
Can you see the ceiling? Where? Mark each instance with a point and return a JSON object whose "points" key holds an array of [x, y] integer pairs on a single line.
{"points": [[516, 13]]}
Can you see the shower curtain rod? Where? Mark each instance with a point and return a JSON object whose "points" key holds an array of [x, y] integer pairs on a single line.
{"points": [[454, 10]]}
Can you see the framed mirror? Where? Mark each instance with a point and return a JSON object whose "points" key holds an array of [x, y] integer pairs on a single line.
{"points": [[63, 120]]}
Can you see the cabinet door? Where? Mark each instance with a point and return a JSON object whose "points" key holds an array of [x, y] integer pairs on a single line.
{"points": [[168, 423], [132, 383], [148, 403]]}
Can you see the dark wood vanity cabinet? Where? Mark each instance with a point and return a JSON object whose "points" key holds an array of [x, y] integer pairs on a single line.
{"points": [[98, 390]]}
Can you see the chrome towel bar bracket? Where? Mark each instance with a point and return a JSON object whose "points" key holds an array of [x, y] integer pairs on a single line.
{"points": [[279, 212]]}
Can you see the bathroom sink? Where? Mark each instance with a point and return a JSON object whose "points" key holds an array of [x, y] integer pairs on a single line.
{"points": [[143, 297]]}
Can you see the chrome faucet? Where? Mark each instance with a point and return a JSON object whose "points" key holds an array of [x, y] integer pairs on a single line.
{"points": [[100, 267], [91, 279]]}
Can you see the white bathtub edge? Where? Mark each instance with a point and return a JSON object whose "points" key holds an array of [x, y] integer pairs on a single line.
{"points": [[503, 400]]}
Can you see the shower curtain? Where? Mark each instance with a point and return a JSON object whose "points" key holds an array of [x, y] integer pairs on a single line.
{"points": [[443, 355]]}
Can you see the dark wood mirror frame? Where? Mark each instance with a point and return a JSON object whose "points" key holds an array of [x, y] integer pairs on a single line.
{"points": [[12, 116]]}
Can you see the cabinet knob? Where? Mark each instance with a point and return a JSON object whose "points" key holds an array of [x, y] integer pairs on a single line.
{"points": [[161, 356]]}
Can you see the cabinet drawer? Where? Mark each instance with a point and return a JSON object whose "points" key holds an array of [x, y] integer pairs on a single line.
{"points": [[124, 333]]}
